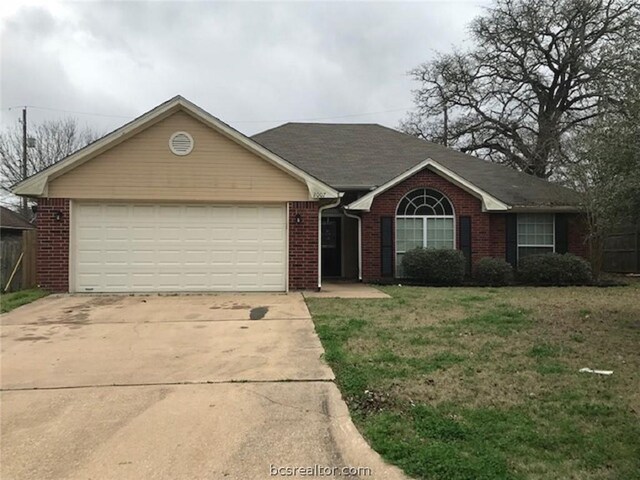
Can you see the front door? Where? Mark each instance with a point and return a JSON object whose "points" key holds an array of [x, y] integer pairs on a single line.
{"points": [[331, 247]]}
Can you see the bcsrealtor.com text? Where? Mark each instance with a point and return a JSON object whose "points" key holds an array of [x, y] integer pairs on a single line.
{"points": [[318, 471]]}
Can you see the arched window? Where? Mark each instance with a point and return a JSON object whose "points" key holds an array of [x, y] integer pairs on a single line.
{"points": [[424, 218]]}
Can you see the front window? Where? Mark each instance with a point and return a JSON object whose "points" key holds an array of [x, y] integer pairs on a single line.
{"points": [[536, 233], [424, 218]]}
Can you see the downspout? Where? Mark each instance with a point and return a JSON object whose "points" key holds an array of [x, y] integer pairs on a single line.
{"points": [[357, 217], [320, 210]]}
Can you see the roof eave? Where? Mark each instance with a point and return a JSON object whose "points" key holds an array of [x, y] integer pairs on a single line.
{"points": [[547, 209]]}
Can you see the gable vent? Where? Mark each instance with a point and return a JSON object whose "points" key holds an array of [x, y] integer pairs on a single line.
{"points": [[181, 143]]}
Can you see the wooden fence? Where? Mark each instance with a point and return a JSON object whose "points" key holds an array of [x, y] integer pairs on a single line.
{"points": [[18, 253], [622, 251]]}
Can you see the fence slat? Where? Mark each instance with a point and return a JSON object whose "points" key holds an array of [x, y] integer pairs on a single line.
{"points": [[622, 251], [11, 247]]}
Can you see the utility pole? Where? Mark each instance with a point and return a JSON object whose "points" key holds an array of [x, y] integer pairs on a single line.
{"points": [[25, 206], [446, 125]]}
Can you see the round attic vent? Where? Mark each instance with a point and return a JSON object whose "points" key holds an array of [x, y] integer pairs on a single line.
{"points": [[181, 143]]}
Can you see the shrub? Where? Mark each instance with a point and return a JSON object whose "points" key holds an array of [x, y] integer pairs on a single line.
{"points": [[554, 269], [493, 272], [434, 266]]}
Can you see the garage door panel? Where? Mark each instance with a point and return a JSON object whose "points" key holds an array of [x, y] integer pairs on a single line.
{"points": [[142, 247]]}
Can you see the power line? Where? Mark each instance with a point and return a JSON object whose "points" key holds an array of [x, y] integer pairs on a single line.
{"points": [[351, 115], [71, 111]]}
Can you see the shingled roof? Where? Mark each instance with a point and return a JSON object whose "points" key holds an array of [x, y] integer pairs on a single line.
{"points": [[13, 220], [365, 156]]}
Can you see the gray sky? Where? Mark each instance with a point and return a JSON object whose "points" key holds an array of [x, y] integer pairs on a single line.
{"points": [[252, 64]]}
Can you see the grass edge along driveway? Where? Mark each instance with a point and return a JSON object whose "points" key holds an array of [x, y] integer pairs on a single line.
{"points": [[12, 300], [482, 383]]}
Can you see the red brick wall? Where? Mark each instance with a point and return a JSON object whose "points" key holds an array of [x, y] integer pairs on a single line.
{"points": [[52, 258], [384, 205], [53, 245], [303, 246]]}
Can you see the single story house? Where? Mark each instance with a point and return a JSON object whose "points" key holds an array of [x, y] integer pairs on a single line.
{"points": [[177, 200]]}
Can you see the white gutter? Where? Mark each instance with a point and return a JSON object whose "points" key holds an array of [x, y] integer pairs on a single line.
{"points": [[320, 210], [357, 217]]}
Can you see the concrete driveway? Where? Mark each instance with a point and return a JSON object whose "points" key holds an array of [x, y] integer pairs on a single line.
{"points": [[171, 387]]}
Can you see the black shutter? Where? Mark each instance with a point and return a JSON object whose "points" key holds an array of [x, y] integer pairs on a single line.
{"points": [[562, 233], [386, 246], [465, 241], [511, 241]]}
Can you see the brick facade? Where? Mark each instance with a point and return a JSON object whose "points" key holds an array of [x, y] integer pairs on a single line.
{"points": [[52, 257], [488, 233], [488, 230], [385, 205], [303, 245]]}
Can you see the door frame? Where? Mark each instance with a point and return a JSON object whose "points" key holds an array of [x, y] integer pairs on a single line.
{"points": [[341, 217]]}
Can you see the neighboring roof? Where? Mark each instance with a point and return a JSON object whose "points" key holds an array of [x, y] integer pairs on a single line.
{"points": [[36, 185], [13, 220], [367, 156]]}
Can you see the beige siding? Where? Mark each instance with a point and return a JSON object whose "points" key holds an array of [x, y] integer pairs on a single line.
{"points": [[143, 168]]}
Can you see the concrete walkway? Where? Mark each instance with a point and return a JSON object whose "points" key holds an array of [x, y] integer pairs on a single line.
{"points": [[346, 290], [171, 387]]}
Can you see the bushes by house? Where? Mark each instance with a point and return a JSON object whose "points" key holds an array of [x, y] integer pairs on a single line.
{"points": [[430, 266], [494, 272], [434, 266], [554, 269]]}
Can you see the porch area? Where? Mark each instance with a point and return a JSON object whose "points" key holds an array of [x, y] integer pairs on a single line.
{"points": [[345, 289]]}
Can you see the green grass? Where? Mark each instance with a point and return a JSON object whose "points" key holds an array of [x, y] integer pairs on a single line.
{"points": [[473, 383], [9, 301]]}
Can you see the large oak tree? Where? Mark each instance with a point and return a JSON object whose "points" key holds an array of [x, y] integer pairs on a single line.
{"points": [[539, 71]]}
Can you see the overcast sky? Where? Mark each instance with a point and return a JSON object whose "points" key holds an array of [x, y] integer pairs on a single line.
{"points": [[252, 64]]}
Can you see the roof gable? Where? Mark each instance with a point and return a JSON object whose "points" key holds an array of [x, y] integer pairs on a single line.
{"points": [[37, 184], [489, 202]]}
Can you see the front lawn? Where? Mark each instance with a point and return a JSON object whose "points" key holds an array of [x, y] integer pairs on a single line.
{"points": [[473, 383], [9, 301]]}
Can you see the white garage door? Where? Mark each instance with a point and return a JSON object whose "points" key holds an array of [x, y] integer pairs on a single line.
{"points": [[153, 248]]}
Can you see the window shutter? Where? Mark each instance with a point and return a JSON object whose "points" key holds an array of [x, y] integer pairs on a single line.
{"points": [[465, 241], [562, 233], [386, 246], [511, 241]]}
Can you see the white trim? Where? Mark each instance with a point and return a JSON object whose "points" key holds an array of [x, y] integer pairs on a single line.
{"points": [[553, 223], [286, 260], [72, 248], [489, 202], [35, 186]]}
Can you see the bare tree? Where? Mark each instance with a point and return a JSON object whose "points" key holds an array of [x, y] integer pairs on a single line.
{"points": [[431, 120], [539, 71], [53, 141]]}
